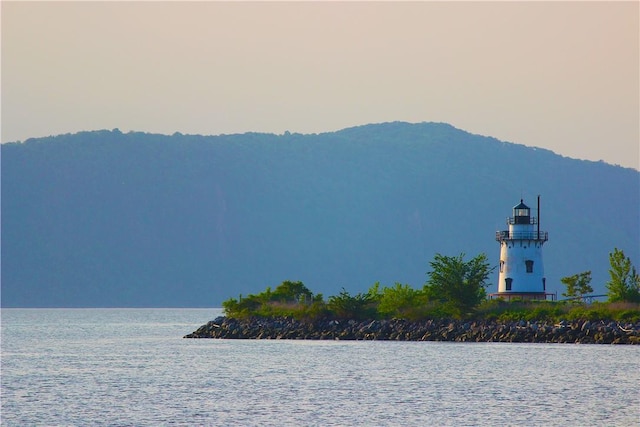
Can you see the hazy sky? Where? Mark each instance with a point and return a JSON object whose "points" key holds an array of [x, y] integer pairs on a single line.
{"points": [[563, 76]]}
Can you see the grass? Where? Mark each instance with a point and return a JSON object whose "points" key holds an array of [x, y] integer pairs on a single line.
{"points": [[558, 310]]}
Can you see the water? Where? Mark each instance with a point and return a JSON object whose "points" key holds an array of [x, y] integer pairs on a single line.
{"points": [[131, 367]]}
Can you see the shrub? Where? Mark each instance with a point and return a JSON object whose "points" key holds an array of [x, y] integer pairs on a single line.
{"points": [[402, 301], [358, 307]]}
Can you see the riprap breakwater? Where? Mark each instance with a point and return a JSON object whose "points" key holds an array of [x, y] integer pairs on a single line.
{"points": [[578, 331]]}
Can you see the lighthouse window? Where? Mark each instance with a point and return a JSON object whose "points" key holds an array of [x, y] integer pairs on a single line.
{"points": [[501, 266], [508, 282], [529, 264]]}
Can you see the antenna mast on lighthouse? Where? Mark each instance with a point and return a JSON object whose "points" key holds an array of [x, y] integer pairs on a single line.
{"points": [[538, 216]]}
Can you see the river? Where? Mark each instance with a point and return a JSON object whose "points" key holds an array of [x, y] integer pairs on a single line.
{"points": [[131, 367]]}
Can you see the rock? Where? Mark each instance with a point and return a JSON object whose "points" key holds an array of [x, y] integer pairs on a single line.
{"points": [[584, 332]]}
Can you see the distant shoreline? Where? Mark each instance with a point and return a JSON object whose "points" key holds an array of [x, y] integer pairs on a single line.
{"points": [[578, 331]]}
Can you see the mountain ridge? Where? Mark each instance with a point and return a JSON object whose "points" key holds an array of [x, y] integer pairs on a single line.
{"points": [[105, 218]]}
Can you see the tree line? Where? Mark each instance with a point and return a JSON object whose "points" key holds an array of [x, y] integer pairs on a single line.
{"points": [[455, 289]]}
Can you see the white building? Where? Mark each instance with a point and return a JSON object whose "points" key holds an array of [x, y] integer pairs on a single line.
{"points": [[521, 271]]}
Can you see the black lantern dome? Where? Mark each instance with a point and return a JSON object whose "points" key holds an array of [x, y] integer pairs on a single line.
{"points": [[521, 213]]}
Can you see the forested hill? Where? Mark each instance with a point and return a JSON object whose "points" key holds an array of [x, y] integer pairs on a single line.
{"points": [[140, 220]]}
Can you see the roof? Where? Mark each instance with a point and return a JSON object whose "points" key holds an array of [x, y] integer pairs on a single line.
{"points": [[521, 205]]}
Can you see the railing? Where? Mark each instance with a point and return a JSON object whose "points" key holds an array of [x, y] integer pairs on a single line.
{"points": [[524, 295], [587, 299], [512, 220], [522, 235]]}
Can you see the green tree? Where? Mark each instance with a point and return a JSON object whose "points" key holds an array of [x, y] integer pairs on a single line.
{"points": [[625, 281], [401, 301], [577, 285], [358, 307], [458, 284], [287, 299], [374, 292], [243, 307], [289, 291]]}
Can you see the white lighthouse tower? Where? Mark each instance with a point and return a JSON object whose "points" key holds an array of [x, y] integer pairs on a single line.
{"points": [[521, 269]]}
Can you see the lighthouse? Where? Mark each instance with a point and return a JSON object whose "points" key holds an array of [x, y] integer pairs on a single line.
{"points": [[521, 271]]}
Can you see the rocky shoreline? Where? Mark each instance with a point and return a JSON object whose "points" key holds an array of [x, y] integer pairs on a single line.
{"points": [[579, 331]]}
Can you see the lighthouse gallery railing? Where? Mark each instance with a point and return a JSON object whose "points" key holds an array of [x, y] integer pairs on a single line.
{"points": [[522, 235]]}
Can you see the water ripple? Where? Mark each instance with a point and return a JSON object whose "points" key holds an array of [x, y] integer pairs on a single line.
{"points": [[131, 368]]}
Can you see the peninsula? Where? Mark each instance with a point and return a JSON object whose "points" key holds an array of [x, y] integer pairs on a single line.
{"points": [[433, 313], [577, 331]]}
